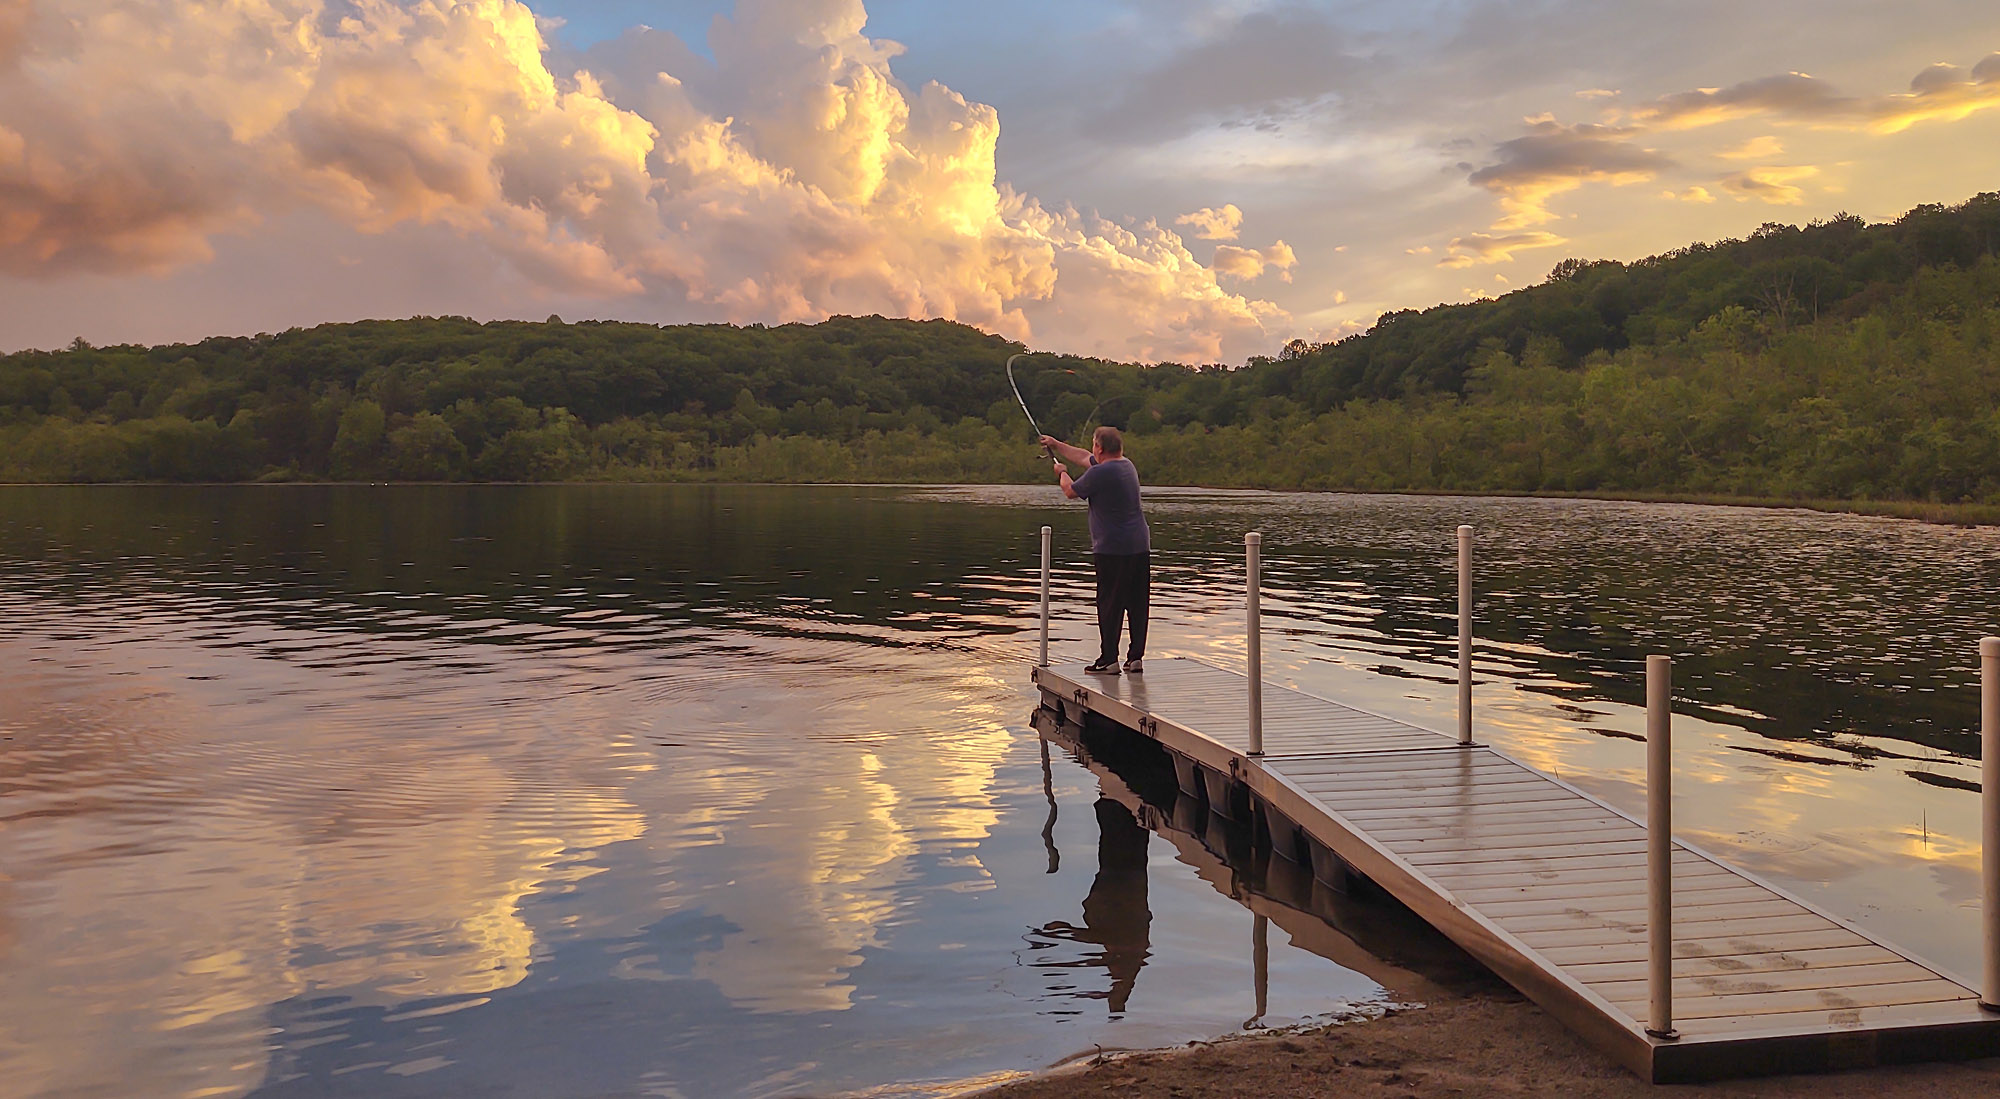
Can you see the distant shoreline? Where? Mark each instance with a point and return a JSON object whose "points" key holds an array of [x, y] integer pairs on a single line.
{"points": [[1941, 514]]}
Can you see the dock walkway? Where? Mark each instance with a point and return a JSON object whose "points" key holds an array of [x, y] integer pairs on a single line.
{"points": [[1545, 884]]}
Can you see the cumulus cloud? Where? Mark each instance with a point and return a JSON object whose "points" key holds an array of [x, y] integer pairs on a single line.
{"points": [[1553, 158], [1214, 223], [1691, 194], [1251, 263], [1772, 184], [1474, 248], [788, 176]]}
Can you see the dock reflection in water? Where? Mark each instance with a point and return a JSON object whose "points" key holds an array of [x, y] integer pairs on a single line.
{"points": [[1354, 925]]}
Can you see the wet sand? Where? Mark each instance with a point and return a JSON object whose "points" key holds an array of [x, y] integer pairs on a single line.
{"points": [[1467, 1042]]}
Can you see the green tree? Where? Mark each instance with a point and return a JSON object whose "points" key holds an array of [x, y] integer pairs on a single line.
{"points": [[357, 448], [550, 451], [425, 449]]}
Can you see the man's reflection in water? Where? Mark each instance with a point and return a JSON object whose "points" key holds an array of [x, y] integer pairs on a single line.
{"points": [[1115, 916]]}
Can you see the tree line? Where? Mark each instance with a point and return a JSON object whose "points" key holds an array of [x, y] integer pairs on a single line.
{"points": [[1837, 360]]}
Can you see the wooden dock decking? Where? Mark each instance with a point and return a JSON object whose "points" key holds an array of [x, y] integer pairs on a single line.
{"points": [[1547, 885]]}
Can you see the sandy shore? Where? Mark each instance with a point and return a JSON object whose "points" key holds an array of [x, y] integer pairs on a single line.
{"points": [[1467, 1042]]}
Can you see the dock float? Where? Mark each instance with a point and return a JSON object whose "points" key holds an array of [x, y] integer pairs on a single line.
{"points": [[1561, 895]]}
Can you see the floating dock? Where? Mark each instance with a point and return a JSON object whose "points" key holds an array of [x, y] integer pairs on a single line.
{"points": [[1542, 883]]}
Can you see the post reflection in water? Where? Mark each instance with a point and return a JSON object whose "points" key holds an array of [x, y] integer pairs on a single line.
{"points": [[1260, 964], [1049, 825]]}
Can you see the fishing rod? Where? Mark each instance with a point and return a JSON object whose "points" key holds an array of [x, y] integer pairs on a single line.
{"points": [[1015, 386]]}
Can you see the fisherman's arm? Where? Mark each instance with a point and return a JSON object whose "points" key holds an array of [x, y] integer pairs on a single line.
{"points": [[1068, 486], [1063, 450]]}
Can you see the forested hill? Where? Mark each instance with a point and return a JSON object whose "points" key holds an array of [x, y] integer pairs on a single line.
{"points": [[1783, 275], [1838, 360]]}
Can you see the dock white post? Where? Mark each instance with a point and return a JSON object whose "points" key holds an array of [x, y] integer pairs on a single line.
{"points": [[1989, 813], [1253, 543], [1464, 634], [1660, 846], [1048, 535]]}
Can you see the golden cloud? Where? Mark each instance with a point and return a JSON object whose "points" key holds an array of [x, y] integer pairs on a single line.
{"points": [[1771, 184], [1474, 248], [1793, 94], [1214, 223], [1757, 148], [1552, 159], [805, 180], [1941, 93], [1251, 263]]}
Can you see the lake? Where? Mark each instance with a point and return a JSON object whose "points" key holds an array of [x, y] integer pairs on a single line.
{"points": [[732, 791]]}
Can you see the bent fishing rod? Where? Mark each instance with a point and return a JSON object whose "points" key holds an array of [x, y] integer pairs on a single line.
{"points": [[1015, 386]]}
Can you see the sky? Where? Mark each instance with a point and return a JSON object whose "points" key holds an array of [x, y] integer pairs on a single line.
{"points": [[1147, 180]]}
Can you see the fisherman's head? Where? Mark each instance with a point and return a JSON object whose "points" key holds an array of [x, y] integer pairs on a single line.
{"points": [[1106, 442]]}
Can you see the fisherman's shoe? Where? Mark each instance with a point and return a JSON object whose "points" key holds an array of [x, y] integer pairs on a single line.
{"points": [[1134, 666], [1103, 667]]}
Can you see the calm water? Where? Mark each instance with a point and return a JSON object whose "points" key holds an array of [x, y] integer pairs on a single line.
{"points": [[731, 791]]}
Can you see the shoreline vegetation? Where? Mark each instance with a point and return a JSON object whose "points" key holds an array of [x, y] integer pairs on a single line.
{"points": [[1839, 366]]}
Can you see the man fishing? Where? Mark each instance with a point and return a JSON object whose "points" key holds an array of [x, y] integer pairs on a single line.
{"points": [[1120, 543]]}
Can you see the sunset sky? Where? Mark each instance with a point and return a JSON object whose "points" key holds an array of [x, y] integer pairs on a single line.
{"points": [[1194, 180]]}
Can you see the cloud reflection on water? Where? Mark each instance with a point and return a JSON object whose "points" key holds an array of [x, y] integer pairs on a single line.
{"points": [[297, 772], [379, 843]]}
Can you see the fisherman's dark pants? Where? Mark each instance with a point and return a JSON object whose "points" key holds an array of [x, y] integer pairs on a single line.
{"points": [[1124, 587]]}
